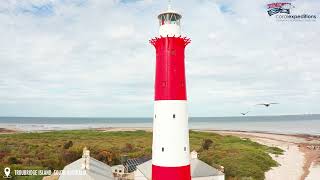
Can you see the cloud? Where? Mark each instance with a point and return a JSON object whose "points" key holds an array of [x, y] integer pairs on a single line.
{"points": [[92, 58]]}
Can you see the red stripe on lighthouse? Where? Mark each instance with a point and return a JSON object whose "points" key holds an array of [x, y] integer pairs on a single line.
{"points": [[170, 82], [171, 173]]}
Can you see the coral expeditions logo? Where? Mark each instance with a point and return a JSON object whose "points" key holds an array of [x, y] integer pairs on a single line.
{"points": [[282, 11], [280, 7]]}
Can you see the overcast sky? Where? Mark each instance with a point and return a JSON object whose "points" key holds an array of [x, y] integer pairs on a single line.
{"points": [[92, 57]]}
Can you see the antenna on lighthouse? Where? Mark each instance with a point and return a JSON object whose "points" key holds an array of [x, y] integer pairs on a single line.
{"points": [[169, 5]]}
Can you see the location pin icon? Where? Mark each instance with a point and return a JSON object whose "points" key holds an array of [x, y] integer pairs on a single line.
{"points": [[7, 171]]}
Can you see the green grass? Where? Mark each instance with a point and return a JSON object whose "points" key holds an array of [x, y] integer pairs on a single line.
{"points": [[242, 158]]}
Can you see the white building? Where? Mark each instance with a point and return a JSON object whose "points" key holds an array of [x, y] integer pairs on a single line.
{"points": [[87, 168], [199, 170]]}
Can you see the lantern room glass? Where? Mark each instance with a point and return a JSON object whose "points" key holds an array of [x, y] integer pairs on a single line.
{"points": [[169, 18]]}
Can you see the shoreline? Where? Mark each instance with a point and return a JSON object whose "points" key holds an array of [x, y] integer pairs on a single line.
{"points": [[301, 159], [8, 131], [129, 127], [263, 125]]}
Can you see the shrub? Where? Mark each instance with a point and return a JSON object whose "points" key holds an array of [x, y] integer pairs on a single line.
{"points": [[68, 145], [104, 156], [128, 148], [108, 157], [206, 144], [2, 155], [50, 163], [71, 156], [13, 160]]}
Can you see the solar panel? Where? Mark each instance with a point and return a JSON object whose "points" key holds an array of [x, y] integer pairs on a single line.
{"points": [[131, 164]]}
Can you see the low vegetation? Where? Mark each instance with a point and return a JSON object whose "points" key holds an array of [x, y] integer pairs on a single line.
{"points": [[241, 158]]}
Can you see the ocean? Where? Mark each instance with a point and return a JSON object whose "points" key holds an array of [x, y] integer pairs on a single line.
{"points": [[287, 124]]}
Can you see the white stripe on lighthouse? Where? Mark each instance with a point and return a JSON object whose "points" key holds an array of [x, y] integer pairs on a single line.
{"points": [[169, 30], [170, 137]]}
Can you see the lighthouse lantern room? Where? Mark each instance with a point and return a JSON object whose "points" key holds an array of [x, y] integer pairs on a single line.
{"points": [[169, 22]]}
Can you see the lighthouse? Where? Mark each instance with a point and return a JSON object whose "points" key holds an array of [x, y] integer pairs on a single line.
{"points": [[170, 146]]}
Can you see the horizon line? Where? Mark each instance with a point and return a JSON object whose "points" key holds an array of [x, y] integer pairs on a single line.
{"points": [[309, 114]]}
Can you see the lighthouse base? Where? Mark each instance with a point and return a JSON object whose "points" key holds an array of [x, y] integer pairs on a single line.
{"points": [[171, 173]]}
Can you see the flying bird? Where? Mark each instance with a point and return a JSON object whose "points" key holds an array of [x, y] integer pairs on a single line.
{"points": [[267, 104], [245, 113]]}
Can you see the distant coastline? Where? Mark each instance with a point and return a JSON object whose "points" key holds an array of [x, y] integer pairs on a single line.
{"points": [[284, 124]]}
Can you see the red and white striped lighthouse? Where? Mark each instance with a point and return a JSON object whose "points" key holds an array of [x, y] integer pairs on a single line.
{"points": [[170, 147]]}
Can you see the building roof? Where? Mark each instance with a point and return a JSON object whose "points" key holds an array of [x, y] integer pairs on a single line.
{"points": [[146, 169], [202, 169], [198, 169], [93, 169]]}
